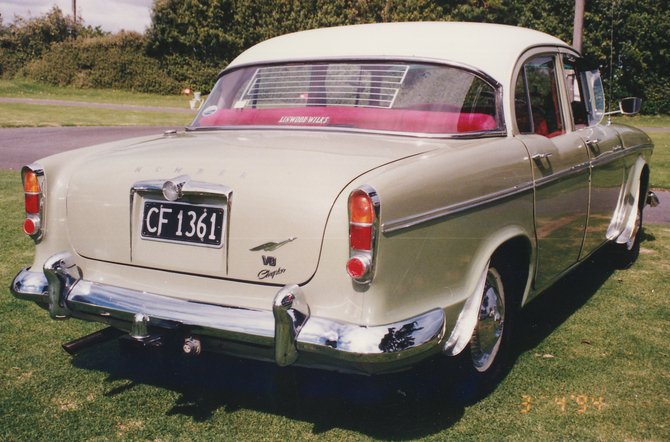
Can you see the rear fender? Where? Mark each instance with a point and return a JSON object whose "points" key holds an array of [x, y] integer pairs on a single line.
{"points": [[464, 327]]}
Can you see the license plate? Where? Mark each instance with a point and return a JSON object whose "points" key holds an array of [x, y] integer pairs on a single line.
{"points": [[200, 225]]}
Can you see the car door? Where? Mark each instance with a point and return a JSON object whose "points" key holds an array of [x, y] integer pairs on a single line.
{"points": [[605, 149], [560, 165]]}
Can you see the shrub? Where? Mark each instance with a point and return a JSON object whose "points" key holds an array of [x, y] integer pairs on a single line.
{"points": [[113, 61]]}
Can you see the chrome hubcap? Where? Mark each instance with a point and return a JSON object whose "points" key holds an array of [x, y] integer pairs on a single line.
{"points": [[490, 322]]}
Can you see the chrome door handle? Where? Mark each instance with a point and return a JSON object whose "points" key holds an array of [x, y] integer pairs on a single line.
{"points": [[540, 156], [593, 141]]}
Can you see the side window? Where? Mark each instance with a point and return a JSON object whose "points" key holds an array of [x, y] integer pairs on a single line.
{"points": [[585, 91], [537, 101]]}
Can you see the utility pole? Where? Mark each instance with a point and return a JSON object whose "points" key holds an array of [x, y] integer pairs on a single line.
{"points": [[74, 11], [579, 25]]}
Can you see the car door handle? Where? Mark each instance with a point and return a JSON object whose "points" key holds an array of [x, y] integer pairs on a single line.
{"points": [[540, 156], [593, 144]]}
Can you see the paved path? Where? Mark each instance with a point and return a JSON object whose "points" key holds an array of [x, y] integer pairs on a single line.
{"points": [[24, 145], [100, 105]]}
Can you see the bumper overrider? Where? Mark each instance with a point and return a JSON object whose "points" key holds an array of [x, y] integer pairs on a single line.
{"points": [[285, 333]]}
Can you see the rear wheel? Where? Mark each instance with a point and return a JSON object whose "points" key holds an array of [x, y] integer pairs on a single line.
{"points": [[488, 357], [490, 326]]}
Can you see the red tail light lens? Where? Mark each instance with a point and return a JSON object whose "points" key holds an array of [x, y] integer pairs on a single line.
{"points": [[361, 221], [32, 192], [33, 180], [31, 226], [363, 224]]}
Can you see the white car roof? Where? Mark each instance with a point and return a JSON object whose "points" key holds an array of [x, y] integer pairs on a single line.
{"points": [[490, 48]]}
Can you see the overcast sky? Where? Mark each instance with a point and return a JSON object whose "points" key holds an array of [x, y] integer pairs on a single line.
{"points": [[110, 15]]}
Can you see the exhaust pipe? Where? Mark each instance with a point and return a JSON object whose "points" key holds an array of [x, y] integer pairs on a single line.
{"points": [[96, 338]]}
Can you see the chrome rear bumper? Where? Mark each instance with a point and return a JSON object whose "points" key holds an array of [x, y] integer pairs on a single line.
{"points": [[285, 333]]}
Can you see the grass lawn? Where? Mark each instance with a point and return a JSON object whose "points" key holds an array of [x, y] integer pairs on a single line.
{"points": [[36, 115], [592, 363], [660, 161], [660, 121], [40, 115], [31, 89]]}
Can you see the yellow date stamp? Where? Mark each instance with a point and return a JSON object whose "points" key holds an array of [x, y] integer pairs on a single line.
{"points": [[580, 403]]}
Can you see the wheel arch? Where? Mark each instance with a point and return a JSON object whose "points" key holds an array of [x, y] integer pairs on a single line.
{"points": [[512, 258]]}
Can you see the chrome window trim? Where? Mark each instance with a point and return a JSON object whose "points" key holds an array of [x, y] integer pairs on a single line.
{"points": [[418, 60], [465, 135]]}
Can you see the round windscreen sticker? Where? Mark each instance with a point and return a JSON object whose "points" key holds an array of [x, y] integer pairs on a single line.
{"points": [[210, 110]]}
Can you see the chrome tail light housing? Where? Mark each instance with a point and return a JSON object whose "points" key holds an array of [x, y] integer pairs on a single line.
{"points": [[34, 193], [364, 207]]}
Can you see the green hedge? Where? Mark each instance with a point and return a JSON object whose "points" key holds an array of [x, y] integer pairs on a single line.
{"points": [[190, 41], [114, 62]]}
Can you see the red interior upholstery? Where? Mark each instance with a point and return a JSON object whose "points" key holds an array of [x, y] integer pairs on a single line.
{"points": [[400, 120]]}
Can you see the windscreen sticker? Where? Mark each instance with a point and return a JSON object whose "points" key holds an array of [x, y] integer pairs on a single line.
{"points": [[210, 110], [303, 120]]}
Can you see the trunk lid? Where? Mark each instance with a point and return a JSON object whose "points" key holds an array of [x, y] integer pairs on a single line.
{"points": [[283, 186]]}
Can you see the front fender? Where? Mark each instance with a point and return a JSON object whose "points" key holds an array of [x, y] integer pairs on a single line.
{"points": [[626, 213]]}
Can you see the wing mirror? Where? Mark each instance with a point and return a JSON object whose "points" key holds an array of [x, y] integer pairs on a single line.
{"points": [[628, 106]]}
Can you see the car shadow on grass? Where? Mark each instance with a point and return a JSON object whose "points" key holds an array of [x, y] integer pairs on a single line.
{"points": [[421, 402], [552, 308]]}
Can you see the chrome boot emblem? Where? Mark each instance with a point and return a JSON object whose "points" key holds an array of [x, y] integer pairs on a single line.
{"points": [[270, 246]]}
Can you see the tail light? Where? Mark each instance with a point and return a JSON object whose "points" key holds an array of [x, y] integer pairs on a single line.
{"points": [[33, 190], [363, 226]]}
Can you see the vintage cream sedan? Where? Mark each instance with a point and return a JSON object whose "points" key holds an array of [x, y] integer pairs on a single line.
{"points": [[356, 199]]}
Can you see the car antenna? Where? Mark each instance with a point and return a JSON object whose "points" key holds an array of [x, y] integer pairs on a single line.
{"points": [[609, 117]]}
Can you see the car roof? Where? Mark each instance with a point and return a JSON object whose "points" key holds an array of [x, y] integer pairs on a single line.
{"points": [[490, 48]]}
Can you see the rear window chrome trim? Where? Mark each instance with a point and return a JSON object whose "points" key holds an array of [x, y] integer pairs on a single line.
{"points": [[501, 132]]}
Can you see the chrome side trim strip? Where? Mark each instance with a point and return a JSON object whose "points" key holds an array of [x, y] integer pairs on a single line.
{"points": [[410, 221], [562, 174]]}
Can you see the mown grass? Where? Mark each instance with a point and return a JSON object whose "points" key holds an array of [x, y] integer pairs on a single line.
{"points": [[40, 115], [22, 88], [592, 363], [660, 161], [660, 121]]}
